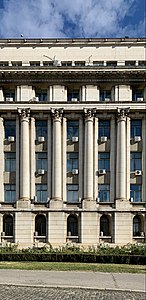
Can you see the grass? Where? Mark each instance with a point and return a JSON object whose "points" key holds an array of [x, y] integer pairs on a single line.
{"points": [[59, 266]]}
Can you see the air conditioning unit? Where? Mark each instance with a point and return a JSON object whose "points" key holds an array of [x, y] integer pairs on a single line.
{"points": [[137, 139], [103, 139], [35, 233], [41, 139], [11, 139], [75, 138], [139, 99], [138, 172], [97, 199], [35, 99], [75, 171], [41, 172], [102, 172], [74, 99], [35, 199], [131, 199], [2, 233], [101, 233], [9, 99], [107, 99]]}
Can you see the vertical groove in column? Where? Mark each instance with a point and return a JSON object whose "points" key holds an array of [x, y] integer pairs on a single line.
{"points": [[1, 159]]}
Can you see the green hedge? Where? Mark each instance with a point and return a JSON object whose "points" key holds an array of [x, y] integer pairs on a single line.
{"points": [[74, 257]]}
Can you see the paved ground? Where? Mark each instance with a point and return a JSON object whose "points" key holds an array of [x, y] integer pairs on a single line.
{"points": [[55, 285]]}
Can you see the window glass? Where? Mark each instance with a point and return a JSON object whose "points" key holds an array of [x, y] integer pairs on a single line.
{"points": [[41, 129], [105, 94], [104, 160], [72, 129], [136, 128], [42, 95], [135, 192], [72, 226], [8, 225], [9, 94], [136, 226], [104, 192], [104, 128], [9, 193], [40, 225], [41, 161], [104, 226], [10, 128], [10, 162], [72, 161], [41, 192], [73, 95], [135, 161], [72, 193], [137, 94]]}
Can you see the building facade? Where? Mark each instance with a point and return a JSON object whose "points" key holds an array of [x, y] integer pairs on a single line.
{"points": [[72, 141]]}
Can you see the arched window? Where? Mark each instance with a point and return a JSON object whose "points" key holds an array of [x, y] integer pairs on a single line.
{"points": [[8, 225], [72, 225], [40, 225], [104, 226], [137, 226]]}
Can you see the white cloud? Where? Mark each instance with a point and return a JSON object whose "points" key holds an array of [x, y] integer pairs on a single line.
{"points": [[67, 18]]}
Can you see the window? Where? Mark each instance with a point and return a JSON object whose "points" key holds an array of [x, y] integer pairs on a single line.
{"points": [[9, 95], [135, 192], [104, 160], [136, 226], [42, 95], [34, 63], [8, 225], [41, 161], [4, 64], [40, 225], [135, 161], [66, 63], [104, 226], [137, 95], [142, 63], [72, 129], [16, 63], [73, 95], [41, 192], [98, 63], [104, 192], [48, 63], [111, 63], [41, 129], [72, 225], [72, 161], [105, 94], [10, 193], [10, 128], [136, 128], [129, 63], [72, 193], [79, 63], [10, 162], [104, 129]]}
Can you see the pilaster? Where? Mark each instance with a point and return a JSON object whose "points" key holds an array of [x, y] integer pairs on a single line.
{"points": [[1, 159]]}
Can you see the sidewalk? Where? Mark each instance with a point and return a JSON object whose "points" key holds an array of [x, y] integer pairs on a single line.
{"points": [[92, 280]]}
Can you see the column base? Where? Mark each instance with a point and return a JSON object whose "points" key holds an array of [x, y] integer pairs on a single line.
{"points": [[56, 203], [23, 203], [89, 204], [122, 203]]}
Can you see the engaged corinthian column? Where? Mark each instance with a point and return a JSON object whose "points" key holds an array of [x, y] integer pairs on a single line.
{"points": [[121, 154], [24, 115], [57, 171], [88, 174]]}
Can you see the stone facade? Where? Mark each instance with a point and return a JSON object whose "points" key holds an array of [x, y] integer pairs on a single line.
{"points": [[72, 141]]}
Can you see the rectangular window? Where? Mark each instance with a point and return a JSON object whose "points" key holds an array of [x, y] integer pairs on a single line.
{"points": [[105, 95], [130, 63], [16, 63], [137, 95], [111, 63], [98, 63], [104, 192], [79, 63], [72, 161], [136, 128], [10, 162], [136, 192], [41, 129], [104, 129], [104, 161], [41, 161], [66, 63], [72, 129], [10, 128], [9, 95], [41, 192], [135, 161], [42, 95], [34, 63], [9, 193], [72, 193]]}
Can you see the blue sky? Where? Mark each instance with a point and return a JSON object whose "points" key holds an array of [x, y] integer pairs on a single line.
{"points": [[72, 18]]}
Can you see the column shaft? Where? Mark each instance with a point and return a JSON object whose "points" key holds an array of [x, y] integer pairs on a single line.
{"points": [[88, 179]]}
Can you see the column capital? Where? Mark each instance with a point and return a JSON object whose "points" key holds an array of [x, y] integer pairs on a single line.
{"points": [[24, 113], [122, 113], [57, 113], [89, 113]]}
